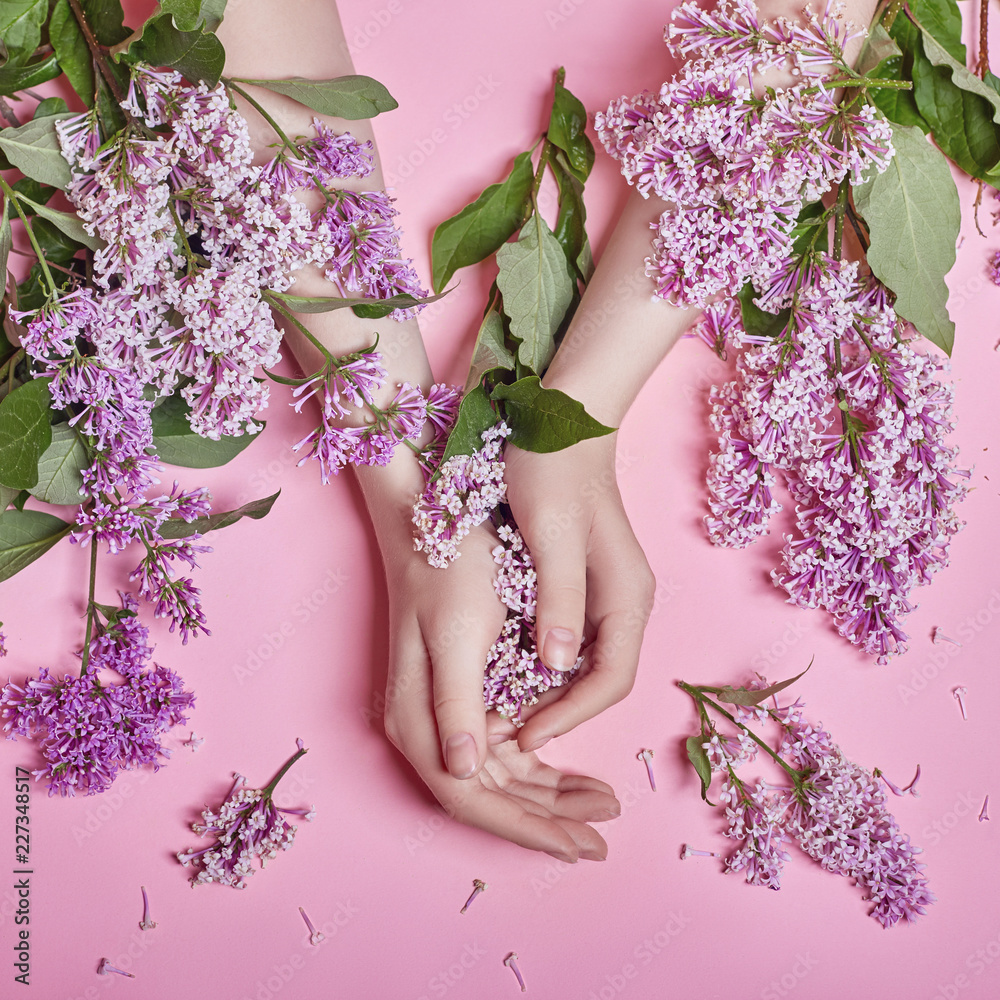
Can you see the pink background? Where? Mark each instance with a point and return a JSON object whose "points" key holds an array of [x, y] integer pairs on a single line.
{"points": [[298, 610]]}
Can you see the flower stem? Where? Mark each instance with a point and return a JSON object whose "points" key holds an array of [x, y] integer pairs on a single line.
{"points": [[269, 790], [13, 199], [98, 51], [259, 108], [840, 210], [91, 608]]}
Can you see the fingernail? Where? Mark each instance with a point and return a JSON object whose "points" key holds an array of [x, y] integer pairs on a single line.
{"points": [[560, 649], [593, 856], [538, 744], [461, 755], [496, 739], [602, 815], [562, 857]]}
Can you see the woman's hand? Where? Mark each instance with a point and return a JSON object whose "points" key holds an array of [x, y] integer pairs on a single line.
{"points": [[594, 583], [443, 622]]}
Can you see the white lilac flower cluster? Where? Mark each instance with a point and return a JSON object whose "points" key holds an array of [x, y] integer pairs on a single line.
{"points": [[246, 826], [837, 815], [735, 168]]}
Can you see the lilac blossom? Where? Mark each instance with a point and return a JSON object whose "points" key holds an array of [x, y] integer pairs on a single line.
{"points": [[735, 168], [87, 728], [247, 825], [833, 810]]}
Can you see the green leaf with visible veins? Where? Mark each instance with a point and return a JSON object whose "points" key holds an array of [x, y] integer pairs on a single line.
{"points": [[25, 433], [490, 351], [537, 289], [60, 468], [568, 130], [24, 536], [66, 222], [256, 509], [15, 78], [545, 420], [913, 216], [177, 444], [350, 97], [34, 149], [21, 27], [475, 415], [189, 15], [197, 55], [483, 226]]}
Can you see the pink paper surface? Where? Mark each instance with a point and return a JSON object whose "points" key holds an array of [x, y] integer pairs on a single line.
{"points": [[297, 606]]}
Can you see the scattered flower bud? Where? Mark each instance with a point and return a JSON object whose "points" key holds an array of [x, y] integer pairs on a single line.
{"points": [[647, 757], [939, 637], [690, 852], [106, 967], [511, 962], [478, 886], [984, 812], [315, 936], [147, 923], [959, 692]]}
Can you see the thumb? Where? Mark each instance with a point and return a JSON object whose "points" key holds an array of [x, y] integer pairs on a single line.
{"points": [[561, 565], [458, 660]]}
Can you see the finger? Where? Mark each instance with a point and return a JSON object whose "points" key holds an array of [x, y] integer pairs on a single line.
{"points": [[561, 565], [458, 658], [610, 678], [584, 805]]}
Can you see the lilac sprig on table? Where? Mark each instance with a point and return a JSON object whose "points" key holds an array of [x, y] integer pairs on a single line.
{"points": [[834, 810], [246, 826]]}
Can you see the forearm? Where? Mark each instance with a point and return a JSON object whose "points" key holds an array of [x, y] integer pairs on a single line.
{"points": [[305, 38]]}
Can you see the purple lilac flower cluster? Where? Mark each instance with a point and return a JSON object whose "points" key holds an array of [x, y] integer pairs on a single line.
{"points": [[515, 675], [736, 168], [247, 825], [856, 420], [836, 813], [88, 728]]}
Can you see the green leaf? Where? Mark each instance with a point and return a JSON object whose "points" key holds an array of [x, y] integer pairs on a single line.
{"points": [[899, 106], [177, 444], [366, 308], [256, 509], [107, 21], [537, 290], [6, 241], [805, 229], [475, 415], [571, 229], [490, 350], [742, 696], [878, 46], [25, 433], [57, 247], [7, 495], [942, 20], [482, 227], [543, 419], [21, 27], [190, 15], [699, 759], [913, 216], [567, 130], [34, 149], [197, 55], [72, 51], [66, 222], [59, 468], [350, 97], [50, 106], [755, 321], [24, 536], [15, 78], [962, 110]]}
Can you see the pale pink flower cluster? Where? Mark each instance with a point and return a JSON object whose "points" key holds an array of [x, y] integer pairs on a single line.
{"points": [[734, 168]]}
